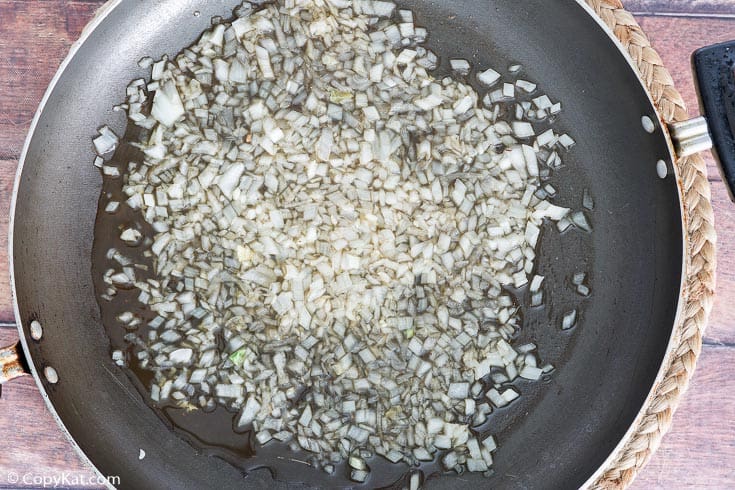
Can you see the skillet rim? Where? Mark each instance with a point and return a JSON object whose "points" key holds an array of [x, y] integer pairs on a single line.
{"points": [[101, 16]]}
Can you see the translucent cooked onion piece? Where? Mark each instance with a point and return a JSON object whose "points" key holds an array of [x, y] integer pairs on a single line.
{"points": [[325, 209]]}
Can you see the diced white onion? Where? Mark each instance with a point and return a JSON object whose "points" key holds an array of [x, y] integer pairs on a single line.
{"points": [[323, 208], [488, 77]]}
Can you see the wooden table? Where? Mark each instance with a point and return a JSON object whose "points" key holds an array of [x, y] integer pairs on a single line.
{"points": [[699, 452]]}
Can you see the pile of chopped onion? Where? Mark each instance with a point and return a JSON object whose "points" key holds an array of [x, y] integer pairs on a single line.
{"points": [[347, 224]]}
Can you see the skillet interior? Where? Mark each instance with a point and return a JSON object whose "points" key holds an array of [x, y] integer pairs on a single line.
{"points": [[606, 367]]}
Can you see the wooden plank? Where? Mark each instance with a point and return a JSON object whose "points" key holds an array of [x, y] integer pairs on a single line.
{"points": [[7, 175], [721, 327], [700, 449], [34, 39], [33, 444], [35, 36], [696, 7]]}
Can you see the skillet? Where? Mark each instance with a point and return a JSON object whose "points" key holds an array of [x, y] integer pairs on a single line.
{"points": [[559, 433]]}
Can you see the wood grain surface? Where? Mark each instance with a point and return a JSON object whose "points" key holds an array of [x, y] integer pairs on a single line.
{"points": [[698, 8], [699, 452]]}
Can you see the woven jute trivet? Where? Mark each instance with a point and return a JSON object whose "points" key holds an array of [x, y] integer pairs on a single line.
{"points": [[700, 260]]}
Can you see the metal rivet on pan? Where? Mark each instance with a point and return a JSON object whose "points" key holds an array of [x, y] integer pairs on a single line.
{"points": [[141, 454], [648, 125], [197, 13], [662, 169], [51, 375], [36, 330]]}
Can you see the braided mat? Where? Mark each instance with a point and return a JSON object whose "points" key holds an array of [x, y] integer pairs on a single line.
{"points": [[698, 294]]}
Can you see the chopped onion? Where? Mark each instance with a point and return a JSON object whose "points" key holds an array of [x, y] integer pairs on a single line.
{"points": [[488, 77], [579, 219], [181, 356], [587, 201], [536, 283], [130, 235], [460, 66], [459, 390], [578, 278], [566, 141], [569, 320], [329, 209], [526, 86], [106, 142], [167, 106], [248, 413], [530, 373], [415, 481], [359, 475]]}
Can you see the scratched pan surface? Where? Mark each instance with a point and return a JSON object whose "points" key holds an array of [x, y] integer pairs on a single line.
{"points": [[559, 432]]}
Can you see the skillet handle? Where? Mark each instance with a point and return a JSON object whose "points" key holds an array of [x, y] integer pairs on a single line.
{"points": [[12, 363], [714, 68]]}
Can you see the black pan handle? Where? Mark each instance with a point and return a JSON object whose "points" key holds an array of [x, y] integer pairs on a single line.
{"points": [[714, 67]]}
